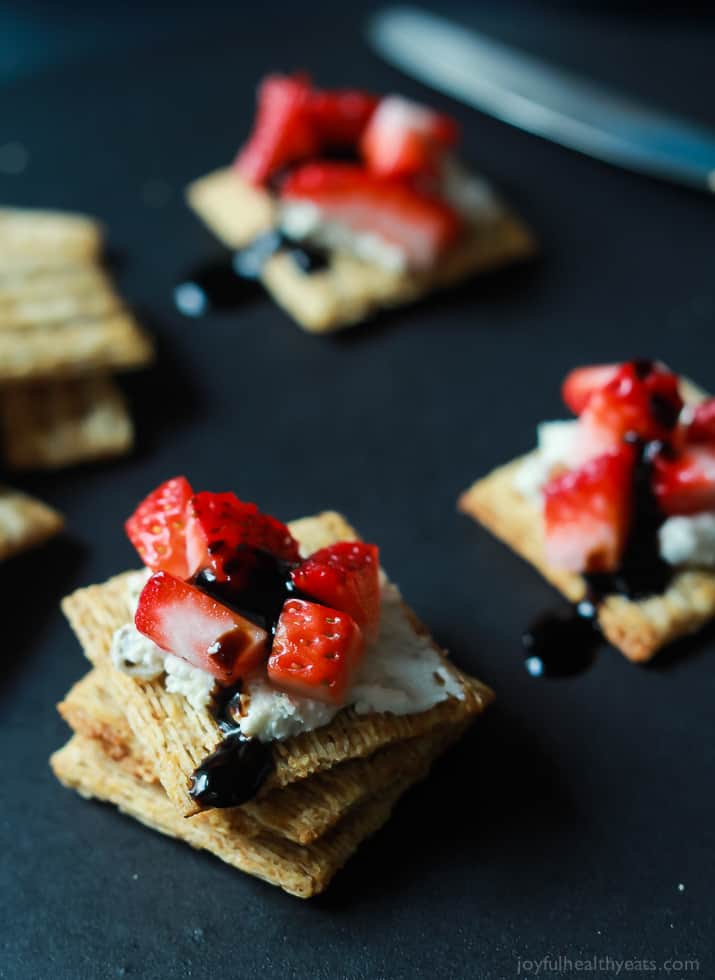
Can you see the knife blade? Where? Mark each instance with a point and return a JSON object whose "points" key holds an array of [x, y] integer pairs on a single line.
{"points": [[541, 99]]}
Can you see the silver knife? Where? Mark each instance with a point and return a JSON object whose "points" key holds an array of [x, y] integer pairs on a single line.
{"points": [[544, 100]]}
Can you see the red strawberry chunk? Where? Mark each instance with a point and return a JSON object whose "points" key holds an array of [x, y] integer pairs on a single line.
{"points": [[702, 425], [641, 399], [184, 621], [163, 531], [587, 513], [404, 138], [340, 117], [420, 225], [685, 484], [582, 382], [228, 524], [346, 577], [316, 651], [283, 130]]}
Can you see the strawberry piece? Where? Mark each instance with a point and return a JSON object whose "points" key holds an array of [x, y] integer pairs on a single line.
{"points": [[340, 117], [404, 138], [582, 382], [702, 425], [420, 225], [642, 399], [228, 524], [283, 131], [315, 652], [685, 484], [346, 577], [587, 513], [183, 620], [163, 531]]}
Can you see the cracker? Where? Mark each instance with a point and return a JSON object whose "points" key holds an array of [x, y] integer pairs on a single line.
{"points": [[24, 522], [58, 423], [35, 237], [301, 812], [73, 347], [349, 290], [178, 736], [19, 286], [301, 871], [21, 307], [638, 628]]}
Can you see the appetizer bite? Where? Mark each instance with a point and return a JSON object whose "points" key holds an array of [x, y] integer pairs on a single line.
{"points": [[343, 202], [617, 507], [268, 674]]}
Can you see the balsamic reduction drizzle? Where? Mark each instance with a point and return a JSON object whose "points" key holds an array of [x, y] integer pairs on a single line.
{"points": [[256, 585], [230, 281], [558, 645]]}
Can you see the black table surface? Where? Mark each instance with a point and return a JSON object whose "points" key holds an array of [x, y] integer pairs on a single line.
{"points": [[577, 820]]}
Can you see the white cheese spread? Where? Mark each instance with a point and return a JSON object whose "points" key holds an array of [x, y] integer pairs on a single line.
{"points": [[688, 540], [401, 673], [554, 446]]}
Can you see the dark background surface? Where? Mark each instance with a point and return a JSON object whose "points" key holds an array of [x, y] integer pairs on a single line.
{"points": [[568, 821]]}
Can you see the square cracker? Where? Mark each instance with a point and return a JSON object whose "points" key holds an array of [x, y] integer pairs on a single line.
{"points": [[178, 736], [48, 424], [301, 812], [35, 237], [303, 871], [71, 347], [24, 522], [349, 289], [639, 628]]}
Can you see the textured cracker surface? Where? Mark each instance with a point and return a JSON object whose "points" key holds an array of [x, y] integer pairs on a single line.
{"points": [[301, 812], [349, 290], [300, 870], [638, 628], [34, 237], [24, 522], [57, 423], [178, 736]]}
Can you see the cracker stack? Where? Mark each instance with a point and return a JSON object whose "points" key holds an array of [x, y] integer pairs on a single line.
{"points": [[63, 330], [349, 290], [136, 745]]}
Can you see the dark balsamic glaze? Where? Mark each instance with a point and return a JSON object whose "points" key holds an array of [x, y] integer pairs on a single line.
{"points": [[562, 644], [233, 773], [233, 279], [558, 645], [256, 585]]}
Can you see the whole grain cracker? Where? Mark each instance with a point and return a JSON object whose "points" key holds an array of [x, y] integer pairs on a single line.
{"points": [[638, 628], [179, 736], [37, 237], [24, 522], [349, 290], [303, 871], [301, 812], [48, 424], [66, 349]]}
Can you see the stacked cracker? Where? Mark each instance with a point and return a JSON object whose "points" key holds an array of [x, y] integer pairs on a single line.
{"points": [[349, 290], [136, 745], [63, 330]]}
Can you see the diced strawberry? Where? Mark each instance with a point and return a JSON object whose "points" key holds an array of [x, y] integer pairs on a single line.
{"points": [[702, 425], [685, 484], [587, 513], [228, 523], [339, 117], [404, 138], [346, 577], [582, 382], [183, 620], [315, 652], [163, 531], [419, 224], [283, 131], [641, 399]]}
